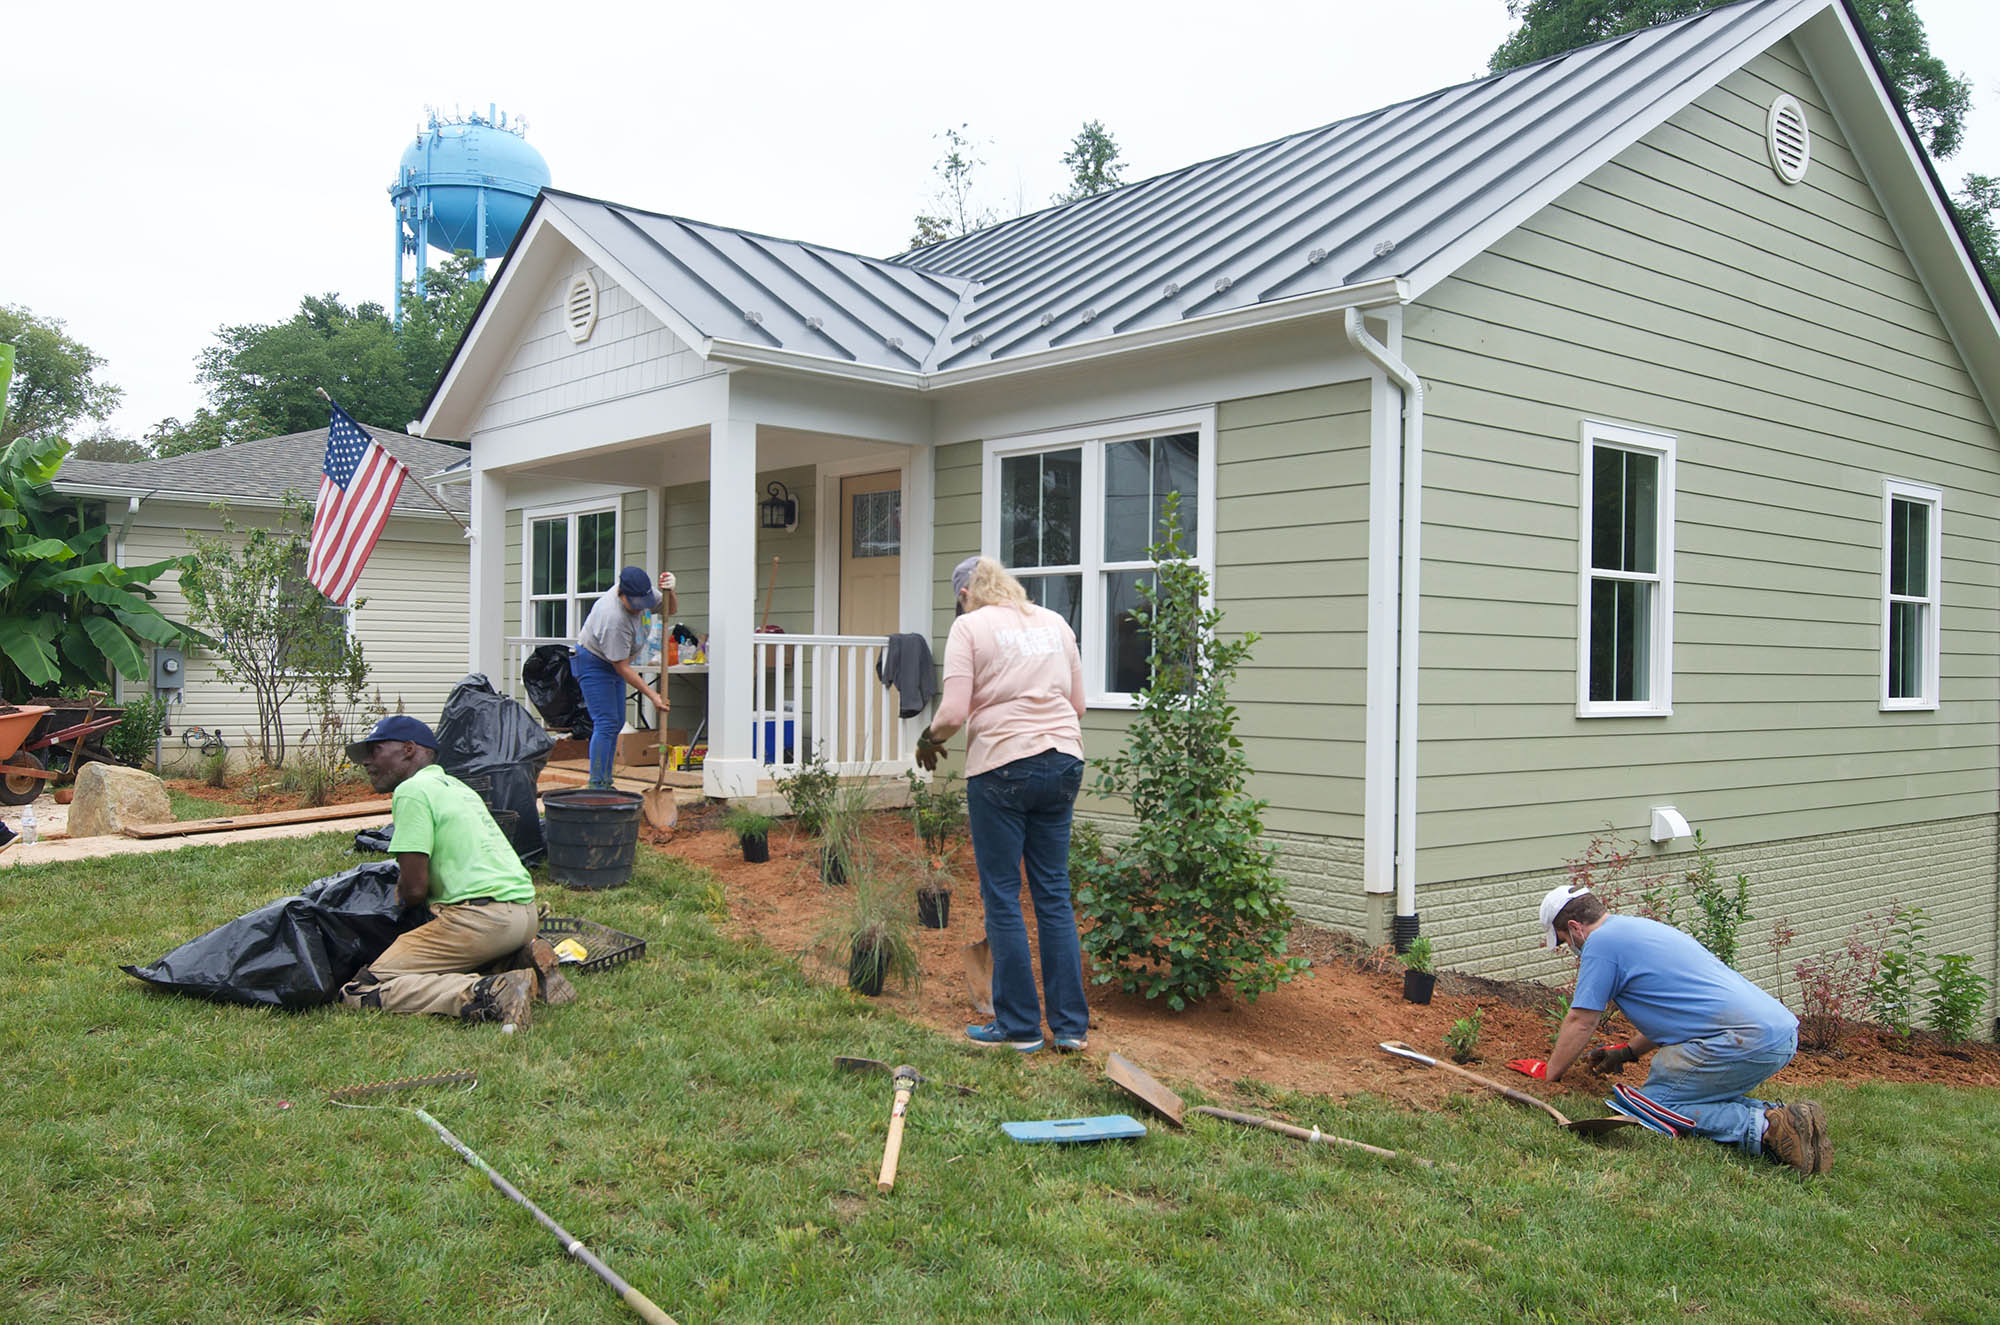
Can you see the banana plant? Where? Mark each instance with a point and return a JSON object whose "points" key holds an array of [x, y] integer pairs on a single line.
{"points": [[67, 615]]}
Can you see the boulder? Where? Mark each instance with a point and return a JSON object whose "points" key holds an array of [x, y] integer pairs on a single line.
{"points": [[110, 797]]}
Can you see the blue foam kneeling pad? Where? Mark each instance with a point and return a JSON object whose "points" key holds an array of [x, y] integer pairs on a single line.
{"points": [[1109, 1127]]}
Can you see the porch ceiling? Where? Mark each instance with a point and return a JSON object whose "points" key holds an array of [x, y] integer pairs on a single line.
{"points": [[683, 457]]}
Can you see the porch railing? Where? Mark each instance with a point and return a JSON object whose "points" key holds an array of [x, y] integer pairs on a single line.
{"points": [[518, 647], [823, 689]]}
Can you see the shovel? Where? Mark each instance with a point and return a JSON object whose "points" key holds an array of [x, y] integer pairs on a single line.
{"points": [[662, 810], [1140, 1084], [1582, 1126], [978, 959]]}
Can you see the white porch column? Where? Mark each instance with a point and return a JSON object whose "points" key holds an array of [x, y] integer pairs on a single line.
{"points": [[487, 612], [732, 607]]}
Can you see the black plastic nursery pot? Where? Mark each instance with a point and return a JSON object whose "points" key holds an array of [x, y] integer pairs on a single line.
{"points": [[832, 869], [934, 908], [866, 969], [1418, 985], [756, 850]]}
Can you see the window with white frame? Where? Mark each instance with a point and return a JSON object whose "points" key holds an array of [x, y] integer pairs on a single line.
{"points": [[1075, 515], [1912, 568], [570, 557], [1625, 653]]}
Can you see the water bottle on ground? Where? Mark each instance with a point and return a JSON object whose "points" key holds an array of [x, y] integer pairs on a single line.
{"points": [[28, 833]]}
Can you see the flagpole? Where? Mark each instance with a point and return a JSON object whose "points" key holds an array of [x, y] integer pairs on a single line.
{"points": [[412, 478]]}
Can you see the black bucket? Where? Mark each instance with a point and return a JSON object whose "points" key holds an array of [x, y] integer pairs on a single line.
{"points": [[592, 836]]}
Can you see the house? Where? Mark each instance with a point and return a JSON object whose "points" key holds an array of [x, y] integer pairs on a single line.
{"points": [[1611, 436], [410, 613]]}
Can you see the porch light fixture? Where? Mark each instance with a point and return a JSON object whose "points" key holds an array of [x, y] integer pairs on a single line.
{"points": [[780, 509]]}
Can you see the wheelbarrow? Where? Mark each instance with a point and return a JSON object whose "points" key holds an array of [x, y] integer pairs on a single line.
{"points": [[21, 773]]}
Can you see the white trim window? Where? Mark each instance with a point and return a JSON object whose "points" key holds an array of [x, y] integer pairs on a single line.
{"points": [[1912, 599], [1074, 513], [569, 556], [1625, 649]]}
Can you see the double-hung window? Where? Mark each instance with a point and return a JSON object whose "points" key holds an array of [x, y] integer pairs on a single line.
{"points": [[1075, 516], [570, 557], [1912, 565], [1625, 650]]}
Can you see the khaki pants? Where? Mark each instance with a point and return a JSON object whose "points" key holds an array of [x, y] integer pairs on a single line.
{"points": [[434, 967]]}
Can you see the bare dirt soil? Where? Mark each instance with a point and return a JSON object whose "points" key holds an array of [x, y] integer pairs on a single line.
{"points": [[1318, 1034], [262, 795]]}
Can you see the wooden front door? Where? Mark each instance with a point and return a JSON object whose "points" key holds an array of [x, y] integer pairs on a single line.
{"points": [[871, 553]]}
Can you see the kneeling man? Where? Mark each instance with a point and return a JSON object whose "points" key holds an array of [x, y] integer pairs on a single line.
{"points": [[450, 853], [1717, 1035]]}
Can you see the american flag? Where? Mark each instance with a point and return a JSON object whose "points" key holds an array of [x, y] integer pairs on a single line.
{"points": [[358, 484]]}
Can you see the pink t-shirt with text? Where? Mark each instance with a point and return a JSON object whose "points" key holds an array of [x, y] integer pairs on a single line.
{"points": [[1027, 684]]}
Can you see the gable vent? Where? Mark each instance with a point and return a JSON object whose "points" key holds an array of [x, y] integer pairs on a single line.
{"points": [[1789, 139], [580, 307]]}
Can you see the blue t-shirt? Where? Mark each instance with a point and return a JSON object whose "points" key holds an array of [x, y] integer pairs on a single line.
{"points": [[1672, 988]]}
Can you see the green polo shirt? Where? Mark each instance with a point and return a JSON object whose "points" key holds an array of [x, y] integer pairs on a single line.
{"points": [[444, 819]]}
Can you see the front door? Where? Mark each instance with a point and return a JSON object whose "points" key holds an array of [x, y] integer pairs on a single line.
{"points": [[871, 553]]}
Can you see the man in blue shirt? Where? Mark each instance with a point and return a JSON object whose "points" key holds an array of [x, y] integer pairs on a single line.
{"points": [[1717, 1035]]}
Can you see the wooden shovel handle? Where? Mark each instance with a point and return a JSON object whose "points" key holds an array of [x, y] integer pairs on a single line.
{"points": [[1314, 1137], [1506, 1092], [893, 1151]]}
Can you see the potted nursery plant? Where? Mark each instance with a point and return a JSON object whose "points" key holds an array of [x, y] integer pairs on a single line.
{"points": [[934, 896], [1419, 980], [871, 931], [844, 817], [753, 833]]}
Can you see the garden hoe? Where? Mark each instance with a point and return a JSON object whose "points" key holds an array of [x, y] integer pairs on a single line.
{"points": [[846, 1064], [907, 1078], [1581, 1126]]}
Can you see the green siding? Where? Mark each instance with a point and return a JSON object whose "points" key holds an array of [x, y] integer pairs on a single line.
{"points": [[511, 593], [1782, 336]]}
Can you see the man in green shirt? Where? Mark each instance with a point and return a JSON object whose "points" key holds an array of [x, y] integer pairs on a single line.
{"points": [[451, 854]]}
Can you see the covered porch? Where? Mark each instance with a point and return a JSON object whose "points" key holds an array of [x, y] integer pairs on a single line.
{"points": [[795, 612]]}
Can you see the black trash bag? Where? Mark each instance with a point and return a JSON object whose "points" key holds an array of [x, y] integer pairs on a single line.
{"points": [[373, 839], [554, 690], [296, 952], [485, 734]]}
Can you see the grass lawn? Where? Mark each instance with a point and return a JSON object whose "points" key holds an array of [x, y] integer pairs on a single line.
{"points": [[684, 1120], [188, 806]]}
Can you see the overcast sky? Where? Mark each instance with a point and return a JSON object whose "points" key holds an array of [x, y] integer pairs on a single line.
{"points": [[172, 168]]}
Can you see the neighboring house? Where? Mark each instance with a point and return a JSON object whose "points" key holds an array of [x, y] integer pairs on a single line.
{"points": [[411, 617], [1610, 434]]}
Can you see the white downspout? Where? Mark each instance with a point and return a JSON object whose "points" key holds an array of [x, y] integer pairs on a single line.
{"points": [[1410, 558]]}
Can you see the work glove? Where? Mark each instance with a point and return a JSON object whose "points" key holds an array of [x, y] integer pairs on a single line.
{"points": [[928, 751], [1530, 1067], [1611, 1058], [666, 581]]}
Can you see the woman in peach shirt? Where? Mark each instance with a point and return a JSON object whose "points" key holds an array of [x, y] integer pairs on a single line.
{"points": [[1014, 680]]}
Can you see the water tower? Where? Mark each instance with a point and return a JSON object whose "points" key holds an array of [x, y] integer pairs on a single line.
{"points": [[465, 183]]}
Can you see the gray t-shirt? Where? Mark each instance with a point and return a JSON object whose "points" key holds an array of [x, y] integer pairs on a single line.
{"points": [[611, 632]]}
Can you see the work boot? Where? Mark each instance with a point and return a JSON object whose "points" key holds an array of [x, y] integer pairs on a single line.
{"points": [[1787, 1138], [552, 985], [1811, 1121], [503, 998]]}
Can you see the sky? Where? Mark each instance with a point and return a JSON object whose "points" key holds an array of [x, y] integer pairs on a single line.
{"points": [[170, 169]]}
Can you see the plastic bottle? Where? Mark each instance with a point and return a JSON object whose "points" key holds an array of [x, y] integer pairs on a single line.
{"points": [[28, 833]]}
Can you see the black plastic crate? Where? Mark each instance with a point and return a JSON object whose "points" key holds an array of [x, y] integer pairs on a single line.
{"points": [[608, 947]]}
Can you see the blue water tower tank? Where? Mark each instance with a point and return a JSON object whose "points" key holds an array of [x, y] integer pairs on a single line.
{"points": [[465, 183]]}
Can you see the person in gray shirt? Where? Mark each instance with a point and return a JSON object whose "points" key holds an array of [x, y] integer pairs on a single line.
{"points": [[611, 641]]}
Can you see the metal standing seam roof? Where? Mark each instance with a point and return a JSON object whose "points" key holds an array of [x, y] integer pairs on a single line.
{"points": [[266, 469], [1367, 198]]}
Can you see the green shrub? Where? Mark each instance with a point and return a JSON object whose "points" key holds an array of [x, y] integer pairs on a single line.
{"points": [[1958, 995], [214, 769], [937, 808], [132, 739], [1192, 902], [747, 823], [1418, 958], [1463, 1037], [810, 793], [1086, 847], [1894, 988], [1719, 911]]}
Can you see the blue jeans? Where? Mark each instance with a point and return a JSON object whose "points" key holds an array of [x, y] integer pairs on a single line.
{"points": [[604, 696], [1020, 812], [1708, 1081]]}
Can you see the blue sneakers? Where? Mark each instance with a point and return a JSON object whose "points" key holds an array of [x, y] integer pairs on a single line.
{"points": [[1071, 1044], [990, 1034]]}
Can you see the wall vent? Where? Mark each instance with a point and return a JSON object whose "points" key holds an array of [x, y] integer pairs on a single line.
{"points": [[1789, 139], [580, 307]]}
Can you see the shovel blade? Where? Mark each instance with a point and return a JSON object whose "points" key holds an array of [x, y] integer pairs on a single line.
{"points": [[1598, 1126], [662, 810], [1141, 1085], [978, 958]]}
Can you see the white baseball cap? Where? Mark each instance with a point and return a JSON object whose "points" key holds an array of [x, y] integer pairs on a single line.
{"points": [[1558, 897]]}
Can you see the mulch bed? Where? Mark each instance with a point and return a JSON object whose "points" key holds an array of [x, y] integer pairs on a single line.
{"points": [[1318, 1034], [269, 799]]}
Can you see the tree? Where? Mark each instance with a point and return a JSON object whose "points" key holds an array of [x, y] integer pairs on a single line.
{"points": [[277, 636], [1192, 901], [1093, 163], [104, 444], [262, 380], [1935, 100], [55, 379], [954, 212], [67, 616], [1978, 207]]}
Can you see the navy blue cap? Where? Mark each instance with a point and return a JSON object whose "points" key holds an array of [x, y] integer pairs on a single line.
{"points": [[638, 586], [395, 727]]}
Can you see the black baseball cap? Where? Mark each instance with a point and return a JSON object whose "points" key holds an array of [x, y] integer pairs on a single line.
{"points": [[395, 727]]}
